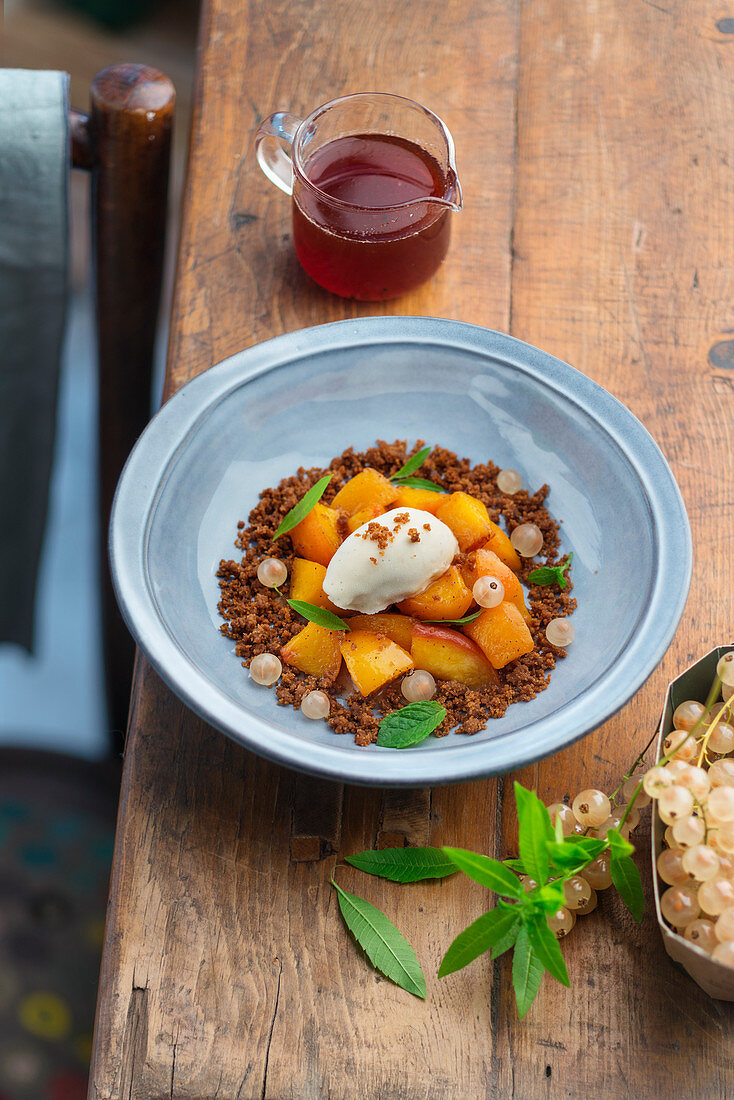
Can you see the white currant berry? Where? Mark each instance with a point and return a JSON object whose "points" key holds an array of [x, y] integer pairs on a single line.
{"points": [[576, 891], [588, 906], [724, 953], [689, 831], [591, 808], [720, 807], [687, 714], [670, 867], [265, 669], [488, 592], [614, 821], [656, 780], [701, 862], [272, 572], [725, 669], [716, 895], [680, 905], [509, 481], [561, 922], [721, 773], [633, 817], [418, 686], [527, 539], [696, 780], [726, 692], [722, 837], [560, 632], [674, 803], [569, 824], [630, 787], [679, 745], [721, 738], [676, 768], [597, 873], [670, 840], [701, 932], [316, 705], [724, 927]]}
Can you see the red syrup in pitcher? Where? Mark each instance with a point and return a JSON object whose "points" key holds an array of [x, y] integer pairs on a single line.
{"points": [[351, 233]]}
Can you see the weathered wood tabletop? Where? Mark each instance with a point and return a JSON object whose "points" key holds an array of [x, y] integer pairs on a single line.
{"points": [[594, 144]]}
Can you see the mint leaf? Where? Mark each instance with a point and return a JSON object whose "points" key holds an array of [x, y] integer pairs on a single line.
{"points": [[410, 725], [404, 864], [457, 622], [548, 574], [488, 872], [496, 930], [515, 865], [527, 972], [574, 853], [318, 615], [626, 879], [545, 945], [420, 483], [618, 845], [535, 832], [385, 947], [412, 464], [305, 504]]}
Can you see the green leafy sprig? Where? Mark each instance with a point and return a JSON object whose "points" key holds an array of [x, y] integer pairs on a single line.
{"points": [[551, 574], [315, 614], [410, 725], [519, 921], [299, 511], [457, 622], [403, 476]]}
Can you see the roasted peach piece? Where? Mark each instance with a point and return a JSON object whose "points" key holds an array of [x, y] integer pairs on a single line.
{"points": [[467, 517], [373, 660], [316, 537], [363, 490], [399, 628], [485, 563], [424, 499], [364, 515], [307, 578], [446, 598], [500, 544], [315, 650], [448, 655], [501, 633]]}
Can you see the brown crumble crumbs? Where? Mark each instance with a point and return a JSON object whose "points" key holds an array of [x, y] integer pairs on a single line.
{"points": [[257, 620], [413, 535]]}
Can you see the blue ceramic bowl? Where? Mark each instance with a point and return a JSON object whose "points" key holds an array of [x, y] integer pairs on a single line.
{"points": [[302, 398]]}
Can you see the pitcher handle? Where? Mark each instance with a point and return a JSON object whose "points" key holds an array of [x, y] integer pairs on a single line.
{"points": [[275, 132]]}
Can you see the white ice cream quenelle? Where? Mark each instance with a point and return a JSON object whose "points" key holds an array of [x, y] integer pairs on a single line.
{"points": [[388, 559]]}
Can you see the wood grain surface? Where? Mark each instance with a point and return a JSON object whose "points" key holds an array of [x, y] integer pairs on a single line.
{"points": [[595, 149]]}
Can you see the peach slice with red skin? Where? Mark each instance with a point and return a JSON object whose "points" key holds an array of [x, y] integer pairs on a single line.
{"points": [[448, 655], [445, 598], [399, 628], [373, 660]]}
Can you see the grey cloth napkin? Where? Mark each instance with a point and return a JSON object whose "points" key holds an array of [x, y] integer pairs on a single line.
{"points": [[34, 171]]}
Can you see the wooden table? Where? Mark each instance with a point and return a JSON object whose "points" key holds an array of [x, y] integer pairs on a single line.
{"points": [[595, 150]]}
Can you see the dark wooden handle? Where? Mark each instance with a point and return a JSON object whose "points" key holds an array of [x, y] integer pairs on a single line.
{"points": [[126, 143]]}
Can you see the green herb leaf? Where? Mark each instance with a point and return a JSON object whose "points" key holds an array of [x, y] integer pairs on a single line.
{"points": [[574, 853], [496, 930], [488, 872], [300, 511], [421, 483], [318, 615], [527, 972], [548, 574], [412, 464], [618, 845], [457, 622], [385, 947], [515, 865], [410, 724], [535, 832], [549, 897], [546, 947], [626, 878], [404, 864]]}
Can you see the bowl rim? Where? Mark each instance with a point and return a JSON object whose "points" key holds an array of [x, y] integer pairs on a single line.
{"points": [[139, 489]]}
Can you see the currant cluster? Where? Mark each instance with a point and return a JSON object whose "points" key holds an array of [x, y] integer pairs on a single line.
{"points": [[693, 787], [591, 813]]}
